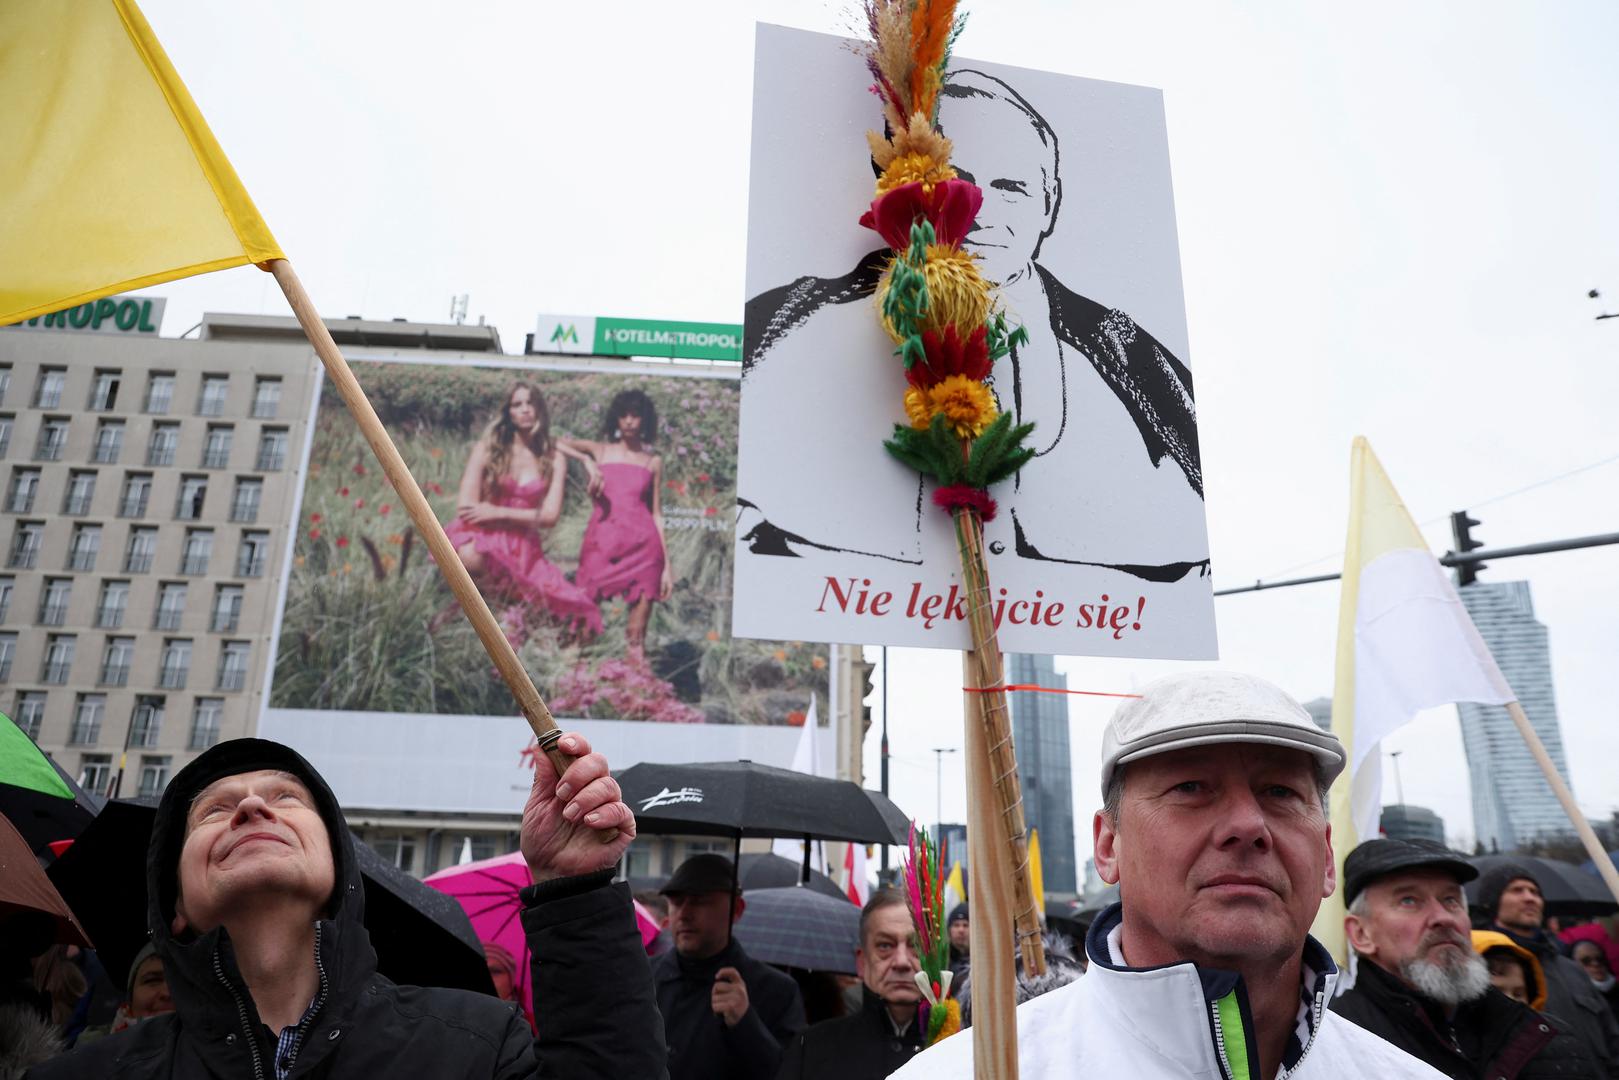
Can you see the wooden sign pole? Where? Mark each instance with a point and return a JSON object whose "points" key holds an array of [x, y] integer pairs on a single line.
{"points": [[1593, 846]]}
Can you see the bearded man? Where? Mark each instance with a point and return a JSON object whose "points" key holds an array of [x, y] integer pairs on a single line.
{"points": [[1421, 985]]}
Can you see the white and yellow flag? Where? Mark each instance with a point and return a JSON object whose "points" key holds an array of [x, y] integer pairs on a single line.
{"points": [[1405, 643]]}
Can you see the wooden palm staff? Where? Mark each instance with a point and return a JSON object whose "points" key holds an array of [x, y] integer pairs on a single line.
{"points": [[483, 621]]}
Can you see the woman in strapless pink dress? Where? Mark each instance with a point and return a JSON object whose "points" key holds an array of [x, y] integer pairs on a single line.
{"points": [[511, 492], [623, 552]]}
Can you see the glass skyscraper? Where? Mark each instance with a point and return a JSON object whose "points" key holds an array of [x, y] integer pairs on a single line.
{"points": [[1040, 732]]}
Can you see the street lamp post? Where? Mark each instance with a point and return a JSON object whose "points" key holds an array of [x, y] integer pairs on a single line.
{"points": [[938, 788]]}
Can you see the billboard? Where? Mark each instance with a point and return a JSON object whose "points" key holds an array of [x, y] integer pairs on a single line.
{"points": [[600, 335], [592, 502], [1100, 546]]}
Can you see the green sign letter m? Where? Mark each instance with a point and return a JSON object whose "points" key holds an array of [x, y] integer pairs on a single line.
{"points": [[566, 334]]}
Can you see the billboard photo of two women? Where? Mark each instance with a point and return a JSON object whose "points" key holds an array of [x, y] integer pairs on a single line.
{"points": [[595, 511]]}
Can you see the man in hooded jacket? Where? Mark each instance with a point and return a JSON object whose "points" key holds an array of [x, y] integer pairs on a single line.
{"points": [[255, 904], [1511, 893]]}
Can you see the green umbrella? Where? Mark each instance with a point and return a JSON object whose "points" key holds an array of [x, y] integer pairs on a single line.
{"points": [[36, 796]]}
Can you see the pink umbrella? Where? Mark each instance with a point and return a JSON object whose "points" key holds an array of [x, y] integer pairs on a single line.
{"points": [[488, 890]]}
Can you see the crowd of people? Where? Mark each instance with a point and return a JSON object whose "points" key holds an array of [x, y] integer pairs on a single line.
{"points": [[1213, 824]]}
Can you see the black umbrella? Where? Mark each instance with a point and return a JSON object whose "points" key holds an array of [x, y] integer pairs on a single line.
{"points": [[741, 798], [36, 796], [421, 936], [798, 927], [767, 870], [1567, 890]]}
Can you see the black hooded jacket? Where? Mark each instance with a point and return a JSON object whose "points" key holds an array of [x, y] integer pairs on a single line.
{"points": [[593, 990], [1493, 1038]]}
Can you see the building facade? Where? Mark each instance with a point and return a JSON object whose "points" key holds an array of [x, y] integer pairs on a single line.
{"points": [[1040, 733], [1402, 822], [1512, 803]]}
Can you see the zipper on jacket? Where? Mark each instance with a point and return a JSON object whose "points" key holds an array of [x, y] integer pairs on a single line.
{"points": [[1219, 1040], [241, 1014], [1315, 1031], [319, 1004]]}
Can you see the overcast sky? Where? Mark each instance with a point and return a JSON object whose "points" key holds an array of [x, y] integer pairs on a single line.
{"points": [[1389, 217]]}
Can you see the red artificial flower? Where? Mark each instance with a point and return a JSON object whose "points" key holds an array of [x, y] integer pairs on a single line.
{"points": [[342, 541], [951, 206], [385, 509], [359, 504], [314, 519], [359, 469], [344, 492], [710, 511], [314, 534], [955, 497], [948, 355]]}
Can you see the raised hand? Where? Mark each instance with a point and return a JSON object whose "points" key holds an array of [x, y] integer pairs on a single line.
{"points": [[564, 821]]}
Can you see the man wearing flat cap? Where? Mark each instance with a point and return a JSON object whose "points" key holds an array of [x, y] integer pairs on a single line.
{"points": [[1214, 826], [726, 1016], [1420, 984], [1516, 904]]}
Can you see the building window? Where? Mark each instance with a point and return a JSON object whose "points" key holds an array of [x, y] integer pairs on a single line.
{"points": [[266, 398], [31, 712], [147, 722], [244, 503], [85, 546], [171, 605], [81, 490], [154, 775], [6, 423], [7, 586], [52, 439], [58, 659], [272, 450], [5, 380], [95, 773], [227, 609], [115, 661], [198, 551], [87, 716], [193, 493], [176, 664], [159, 392], [8, 653], [24, 486], [113, 604], [251, 555], [398, 850], [53, 601], [136, 494], [162, 443], [211, 402], [25, 544], [216, 453], [104, 391], [140, 550], [233, 665], [48, 390], [205, 720], [109, 442]]}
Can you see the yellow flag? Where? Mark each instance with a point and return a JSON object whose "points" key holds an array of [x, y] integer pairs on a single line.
{"points": [[1037, 877], [109, 178], [954, 891]]}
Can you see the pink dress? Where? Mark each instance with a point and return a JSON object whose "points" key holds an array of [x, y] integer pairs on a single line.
{"points": [[516, 562], [622, 553]]}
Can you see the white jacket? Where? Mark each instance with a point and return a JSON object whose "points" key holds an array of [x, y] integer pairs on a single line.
{"points": [[1171, 1022]]}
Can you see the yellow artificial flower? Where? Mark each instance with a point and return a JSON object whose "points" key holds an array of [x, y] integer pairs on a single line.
{"points": [[918, 408], [967, 405], [912, 168]]}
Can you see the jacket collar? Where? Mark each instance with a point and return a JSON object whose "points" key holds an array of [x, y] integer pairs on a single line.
{"points": [[1224, 997]]}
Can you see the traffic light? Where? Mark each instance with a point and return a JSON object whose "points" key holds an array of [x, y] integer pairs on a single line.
{"points": [[1461, 530]]}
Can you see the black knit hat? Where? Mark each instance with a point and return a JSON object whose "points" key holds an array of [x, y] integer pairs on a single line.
{"points": [[958, 914], [1497, 878]]}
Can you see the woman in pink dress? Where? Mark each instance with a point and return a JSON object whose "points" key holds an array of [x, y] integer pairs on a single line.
{"points": [[511, 491], [623, 552]]}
